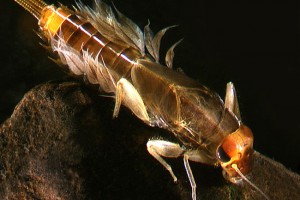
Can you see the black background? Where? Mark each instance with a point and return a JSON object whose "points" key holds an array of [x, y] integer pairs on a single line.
{"points": [[253, 44]]}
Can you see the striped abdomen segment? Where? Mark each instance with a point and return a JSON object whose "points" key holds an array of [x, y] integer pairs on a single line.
{"points": [[82, 36]]}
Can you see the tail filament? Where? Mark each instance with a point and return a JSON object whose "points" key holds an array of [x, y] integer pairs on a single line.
{"points": [[35, 7]]}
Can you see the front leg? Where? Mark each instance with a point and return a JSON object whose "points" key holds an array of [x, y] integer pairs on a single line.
{"points": [[231, 102], [159, 148]]}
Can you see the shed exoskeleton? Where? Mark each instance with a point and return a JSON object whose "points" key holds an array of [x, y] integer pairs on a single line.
{"points": [[114, 53]]}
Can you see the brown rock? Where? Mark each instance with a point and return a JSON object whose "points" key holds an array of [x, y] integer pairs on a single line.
{"points": [[62, 143]]}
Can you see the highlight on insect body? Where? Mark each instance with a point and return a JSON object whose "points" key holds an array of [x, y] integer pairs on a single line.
{"points": [[110, 50]]}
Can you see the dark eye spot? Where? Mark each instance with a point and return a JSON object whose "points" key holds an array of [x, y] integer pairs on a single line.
{"points": [[222, 155], [240, 155]]}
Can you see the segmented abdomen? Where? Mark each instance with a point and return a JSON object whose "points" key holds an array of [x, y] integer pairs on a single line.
{"points": [[83, 37]]}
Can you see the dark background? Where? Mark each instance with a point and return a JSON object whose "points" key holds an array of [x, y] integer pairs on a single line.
{"points": [[254, 45]]}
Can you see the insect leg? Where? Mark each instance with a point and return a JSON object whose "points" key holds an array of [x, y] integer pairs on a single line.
{"points": [[130, 97], [159, 148], [231, 102], [190, 175]]}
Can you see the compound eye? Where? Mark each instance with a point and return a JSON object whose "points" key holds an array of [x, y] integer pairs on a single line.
{"points": [[222, 155]]}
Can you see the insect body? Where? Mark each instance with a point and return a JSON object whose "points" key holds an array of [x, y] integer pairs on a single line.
{"points": [[111, 50]]}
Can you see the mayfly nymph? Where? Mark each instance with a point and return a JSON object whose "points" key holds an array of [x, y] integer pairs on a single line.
{"points": [[110, 50]]}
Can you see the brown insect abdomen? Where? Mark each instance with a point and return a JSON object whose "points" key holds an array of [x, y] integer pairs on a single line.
{"points": [[82, 36]]}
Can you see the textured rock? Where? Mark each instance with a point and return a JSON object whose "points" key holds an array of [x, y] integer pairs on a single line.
{"points": [[62, 143]]}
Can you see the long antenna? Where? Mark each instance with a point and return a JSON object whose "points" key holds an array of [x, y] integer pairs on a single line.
{"points": [[234, 166], [35, 7]]}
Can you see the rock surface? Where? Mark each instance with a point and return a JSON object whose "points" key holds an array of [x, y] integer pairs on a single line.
{"points": [[62, 143]]}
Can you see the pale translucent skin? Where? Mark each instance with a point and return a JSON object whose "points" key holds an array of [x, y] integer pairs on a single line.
{"points": [[112, 53]]}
